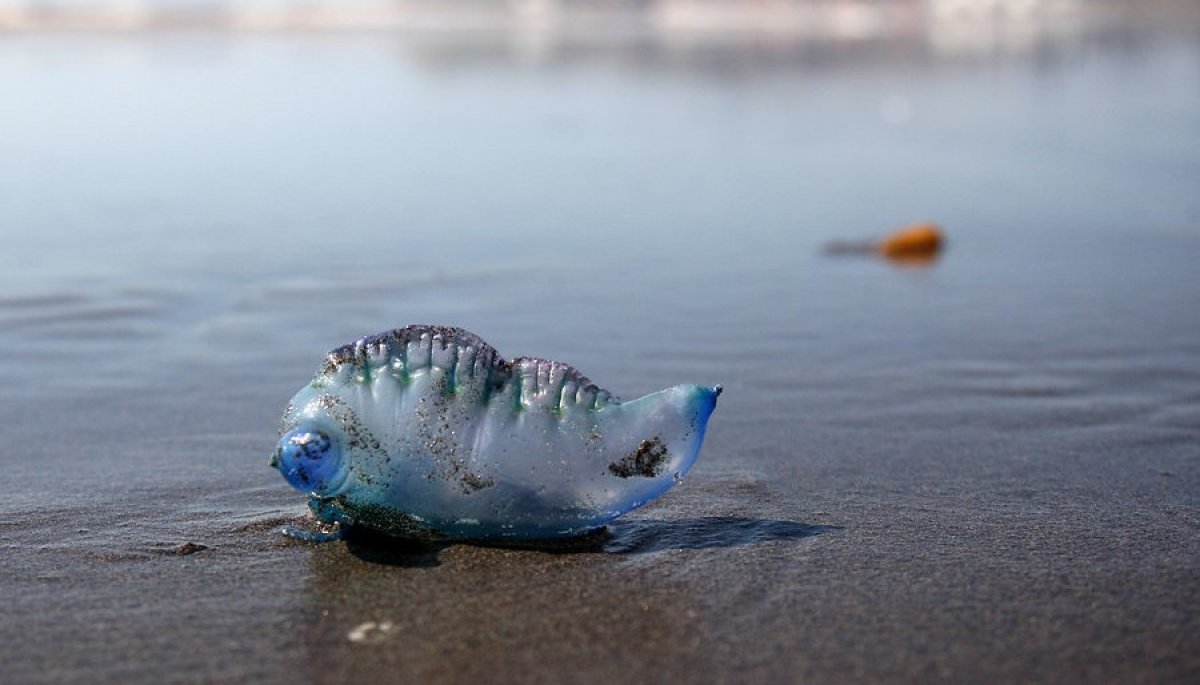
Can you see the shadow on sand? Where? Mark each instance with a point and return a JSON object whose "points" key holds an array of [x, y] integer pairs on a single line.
{"points": [[638, 536]]}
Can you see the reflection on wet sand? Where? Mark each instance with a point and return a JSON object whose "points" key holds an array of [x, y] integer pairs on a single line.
{"points": [[421, 611], [625, 536], [525, 611]]}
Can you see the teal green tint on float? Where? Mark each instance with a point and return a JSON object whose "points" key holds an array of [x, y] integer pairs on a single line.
{"points": [[428, 432]]}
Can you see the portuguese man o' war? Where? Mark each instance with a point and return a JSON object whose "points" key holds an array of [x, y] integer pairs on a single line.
{"points": [[427, 432]]}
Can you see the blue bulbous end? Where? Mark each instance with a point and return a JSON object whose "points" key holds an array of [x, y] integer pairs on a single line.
{"points": [[311, 461]]}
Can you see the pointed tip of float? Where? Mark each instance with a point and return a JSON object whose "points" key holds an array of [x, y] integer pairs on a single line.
{"points": [[710, 394]]}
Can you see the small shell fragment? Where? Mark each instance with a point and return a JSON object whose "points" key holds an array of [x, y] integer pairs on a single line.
{"points": [[370, 632]]}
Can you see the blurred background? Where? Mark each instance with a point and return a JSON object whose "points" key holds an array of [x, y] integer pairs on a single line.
{"points": [[992, 452], [255, 181], [848, 19], [161, 151]]}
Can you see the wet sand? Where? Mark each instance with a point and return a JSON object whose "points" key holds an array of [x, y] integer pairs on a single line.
{"points": [[981, 470], [911, 543]]}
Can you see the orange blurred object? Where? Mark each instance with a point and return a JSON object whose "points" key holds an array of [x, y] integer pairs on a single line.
{"points": [[918, 241]]}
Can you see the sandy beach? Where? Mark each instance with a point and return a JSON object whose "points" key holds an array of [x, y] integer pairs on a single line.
{"points": [[981, 469]]}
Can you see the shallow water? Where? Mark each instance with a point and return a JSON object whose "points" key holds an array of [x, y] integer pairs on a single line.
{"points": [[981, 468]]}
